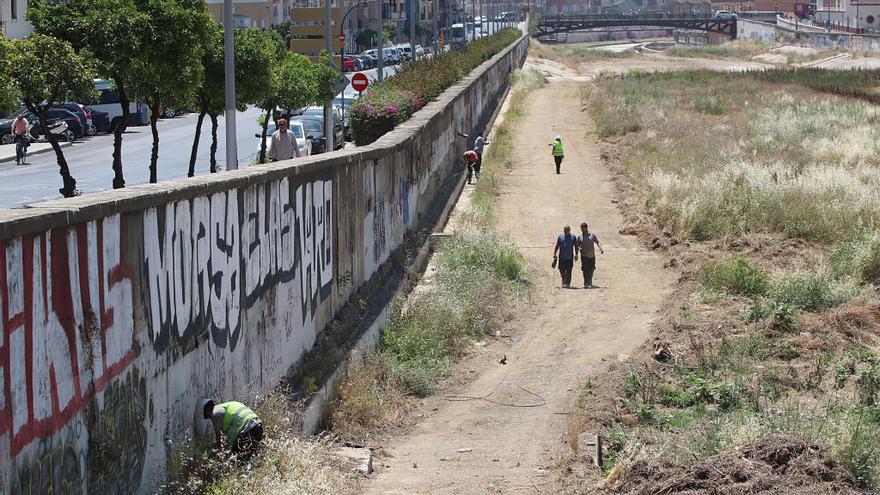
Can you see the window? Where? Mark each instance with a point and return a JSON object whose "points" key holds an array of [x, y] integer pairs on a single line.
{"points": [[14, 6]]}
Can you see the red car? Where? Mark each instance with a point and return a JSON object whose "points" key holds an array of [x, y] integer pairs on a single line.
{"points": [[347, 64]]}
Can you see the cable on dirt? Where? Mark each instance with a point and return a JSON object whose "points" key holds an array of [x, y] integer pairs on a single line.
{"points": [[467, 398]]}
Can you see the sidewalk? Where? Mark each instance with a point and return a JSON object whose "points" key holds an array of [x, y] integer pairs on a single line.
{"points": [[7, 151]]}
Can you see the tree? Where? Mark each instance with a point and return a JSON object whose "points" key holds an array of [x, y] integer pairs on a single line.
{"points": [[256, 55], [8, 91], [283, 30], [112, 32], [366, 38], [170, 61], [294, 86], [390, 31], [45, 71], [210, 97]]}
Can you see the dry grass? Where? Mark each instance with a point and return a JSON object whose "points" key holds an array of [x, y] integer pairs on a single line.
{"points": [[777, 155], [287, 464], [766, 334], [573, 55]]}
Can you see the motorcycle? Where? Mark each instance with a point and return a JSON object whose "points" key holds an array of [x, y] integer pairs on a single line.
{"points": [[60, 129]]}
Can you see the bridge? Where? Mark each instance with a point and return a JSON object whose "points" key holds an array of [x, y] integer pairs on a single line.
{"points": [[552, 25]]}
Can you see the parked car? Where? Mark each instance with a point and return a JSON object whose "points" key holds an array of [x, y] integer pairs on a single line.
{"points": [[338, 122], [100, 120], [52, 115], [304, 142], [406, 51], [77, 110], [350, 98], [314, 128], [391, 55], [314, 125], [723, 15], [369, 61]]}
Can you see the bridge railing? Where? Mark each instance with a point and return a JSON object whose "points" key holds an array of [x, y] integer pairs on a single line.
{"points": [[551, 18]]}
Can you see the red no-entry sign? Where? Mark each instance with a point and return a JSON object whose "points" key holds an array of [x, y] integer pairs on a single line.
{"points": [[359, 82]]}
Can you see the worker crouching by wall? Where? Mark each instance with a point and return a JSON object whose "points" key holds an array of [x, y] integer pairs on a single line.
{"points": [[238, 423]]}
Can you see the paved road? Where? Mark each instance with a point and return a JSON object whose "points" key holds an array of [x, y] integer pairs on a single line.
{"points": [[90, 160]]}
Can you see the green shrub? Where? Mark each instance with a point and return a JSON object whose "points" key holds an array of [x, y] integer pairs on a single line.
{"points": [[674, 397], [392, 101], [809, 292], [734, 276], [413, 379], [858, 257], [484, 250], [782, 315], [710, 104]]}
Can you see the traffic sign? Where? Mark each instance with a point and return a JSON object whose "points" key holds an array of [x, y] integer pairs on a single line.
{"points": [[341, 84], [359, 82]]}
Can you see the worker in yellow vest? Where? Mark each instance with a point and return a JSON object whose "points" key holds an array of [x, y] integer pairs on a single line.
{"points": [[238, 423], [557, 153]]}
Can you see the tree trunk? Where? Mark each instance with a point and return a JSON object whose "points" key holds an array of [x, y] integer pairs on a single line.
{"points": [[69, 183], [195, 146], [269, 112], [213, 143], [118, 179], [154, 127]]}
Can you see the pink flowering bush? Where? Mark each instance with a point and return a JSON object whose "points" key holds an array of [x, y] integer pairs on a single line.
{"points": [[381, 109], [391, 102]]}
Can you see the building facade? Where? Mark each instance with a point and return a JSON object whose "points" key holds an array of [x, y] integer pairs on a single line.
{"points": [[850, 13], [252, 13], [13, 22]]}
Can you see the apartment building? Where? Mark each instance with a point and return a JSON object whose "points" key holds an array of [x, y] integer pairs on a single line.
{"points": [[13, 23], [252, 13]]}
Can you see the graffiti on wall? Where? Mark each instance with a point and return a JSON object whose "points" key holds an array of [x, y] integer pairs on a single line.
{"points": [[118, 437], [57, 471], [208, 259], [66, 325]]}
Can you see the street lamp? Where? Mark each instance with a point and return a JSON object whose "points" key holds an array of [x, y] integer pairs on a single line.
{"points": [[342, 23], [229, 82]]}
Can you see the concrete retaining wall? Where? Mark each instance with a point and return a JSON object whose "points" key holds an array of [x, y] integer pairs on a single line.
{"points": [[770, 33], [119, 311]]}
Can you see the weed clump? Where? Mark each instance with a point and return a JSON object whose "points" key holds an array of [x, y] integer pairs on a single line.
{"points": [[735, 276]]}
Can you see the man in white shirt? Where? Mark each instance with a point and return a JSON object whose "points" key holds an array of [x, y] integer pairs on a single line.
{"points": [[283, 145]]}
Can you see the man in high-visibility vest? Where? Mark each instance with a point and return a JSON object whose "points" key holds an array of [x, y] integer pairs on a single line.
{"points": [[557, 153], [238, 423]]}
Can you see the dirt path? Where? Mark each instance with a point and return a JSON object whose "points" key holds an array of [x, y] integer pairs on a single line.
{"points": [[565, 335]]}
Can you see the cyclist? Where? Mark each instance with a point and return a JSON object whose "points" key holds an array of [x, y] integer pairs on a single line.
{"points": [[20, 130]]}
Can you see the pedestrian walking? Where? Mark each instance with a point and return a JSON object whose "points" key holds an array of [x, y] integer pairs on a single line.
{"points": [[566, 248], [238, 423], [587, 243], [470, 158], [558, 153], [283, 145]]}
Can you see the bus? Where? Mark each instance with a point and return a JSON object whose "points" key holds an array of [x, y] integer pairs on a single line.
{"points": [[459, 35], [108, 101]]}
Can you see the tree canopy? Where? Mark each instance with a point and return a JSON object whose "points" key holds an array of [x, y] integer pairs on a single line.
{"points": [[47, 71]]}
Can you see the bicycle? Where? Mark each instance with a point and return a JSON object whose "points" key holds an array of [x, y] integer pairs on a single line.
{"points": [[21, 146]]}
